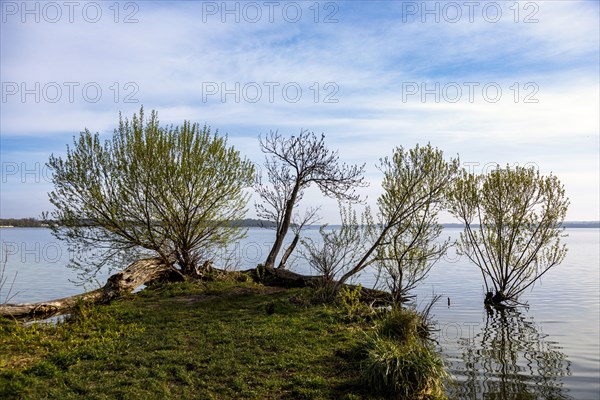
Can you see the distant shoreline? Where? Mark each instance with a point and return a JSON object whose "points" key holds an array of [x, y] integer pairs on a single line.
{"points": [[257, 223], [566, 224]]}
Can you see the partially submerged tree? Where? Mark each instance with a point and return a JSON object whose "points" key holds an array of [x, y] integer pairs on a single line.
{"points": [[414, 186], [292, 165], [167, 191], [513, 225]]}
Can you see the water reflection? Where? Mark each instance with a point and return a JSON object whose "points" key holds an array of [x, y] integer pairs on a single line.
{"points": [[510, 358]]}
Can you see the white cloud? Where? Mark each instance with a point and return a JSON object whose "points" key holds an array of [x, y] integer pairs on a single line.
{"points": [[369, 54]]}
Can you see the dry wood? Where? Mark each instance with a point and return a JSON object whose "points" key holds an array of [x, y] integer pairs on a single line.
{"points": [[138, 273]]}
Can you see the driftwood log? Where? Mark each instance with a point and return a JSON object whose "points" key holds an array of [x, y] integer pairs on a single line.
{"points": [[138, 273], [286, 278], [154, 269]]}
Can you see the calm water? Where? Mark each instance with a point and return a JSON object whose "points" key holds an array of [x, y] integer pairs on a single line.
{"points": [[549, 350]]}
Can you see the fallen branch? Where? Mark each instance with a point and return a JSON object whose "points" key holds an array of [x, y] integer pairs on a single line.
{"points": [[286, 278], [136, 274]]}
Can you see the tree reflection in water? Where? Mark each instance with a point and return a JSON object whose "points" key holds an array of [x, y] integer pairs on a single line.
{"points": [[510, 359]]}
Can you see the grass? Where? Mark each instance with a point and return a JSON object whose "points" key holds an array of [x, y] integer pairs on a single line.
{"points": [[399, 359], [214, 340]]}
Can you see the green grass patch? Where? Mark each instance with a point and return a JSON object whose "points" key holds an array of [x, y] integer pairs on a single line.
{"points": [[211, 340], [399, 360]]}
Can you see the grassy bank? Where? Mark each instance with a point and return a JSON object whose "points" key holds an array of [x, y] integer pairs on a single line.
{"points": [[213, 340]]}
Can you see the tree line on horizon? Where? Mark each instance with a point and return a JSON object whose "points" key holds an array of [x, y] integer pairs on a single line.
{"points": [[22, 222], [190, 180], [31, 222], [34, 222]]}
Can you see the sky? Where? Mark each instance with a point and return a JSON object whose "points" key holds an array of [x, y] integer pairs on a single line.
{"points": [[491, 82]]}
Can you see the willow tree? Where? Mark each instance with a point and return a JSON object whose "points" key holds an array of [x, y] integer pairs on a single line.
{"points": [[412, 248], [513, 225], [402, 241], [164, 190], [293, 164]]}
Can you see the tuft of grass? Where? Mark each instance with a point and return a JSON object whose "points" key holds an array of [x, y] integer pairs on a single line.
{"points": [[399, 361], [402, 325], [403, 370]]}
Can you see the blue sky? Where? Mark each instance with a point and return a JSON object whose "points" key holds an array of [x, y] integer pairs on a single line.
{"points": [[370, 75]]}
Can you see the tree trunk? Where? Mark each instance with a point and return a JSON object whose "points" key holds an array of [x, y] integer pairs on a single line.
{"points": [[289, 251], [362, 263], [286, 278], [282, 230], [495, 299], [135, 275]]}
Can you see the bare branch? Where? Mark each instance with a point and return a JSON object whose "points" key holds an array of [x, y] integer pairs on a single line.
{"points": [[293, 164]]}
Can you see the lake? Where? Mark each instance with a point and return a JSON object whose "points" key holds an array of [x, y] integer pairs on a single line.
{"points": [[548, 350]]}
